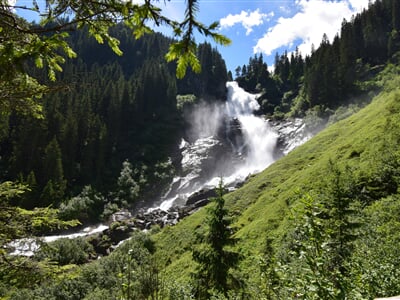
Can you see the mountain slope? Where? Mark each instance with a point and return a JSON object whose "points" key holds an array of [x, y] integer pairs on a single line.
{"points": [[262, 206]]}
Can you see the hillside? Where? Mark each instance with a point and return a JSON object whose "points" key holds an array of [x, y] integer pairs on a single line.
{"points": [[320, 223], [263, 206]]}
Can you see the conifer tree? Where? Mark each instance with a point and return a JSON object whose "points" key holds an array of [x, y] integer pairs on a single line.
{"points": [[128, 188], [325, 235], [53, 172], [214, 258], [338, 195]]}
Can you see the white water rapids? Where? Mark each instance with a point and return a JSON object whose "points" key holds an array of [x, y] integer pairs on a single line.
{"points": [[28, 246]]}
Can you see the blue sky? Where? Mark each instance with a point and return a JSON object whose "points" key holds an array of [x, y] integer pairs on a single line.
{"points": [[270, 26], [267, 26]]}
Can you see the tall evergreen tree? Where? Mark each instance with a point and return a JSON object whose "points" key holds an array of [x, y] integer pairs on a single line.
{"points": [[53, 174], [214, 256]]}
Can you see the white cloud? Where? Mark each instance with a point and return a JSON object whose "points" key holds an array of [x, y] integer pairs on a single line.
{"points": [[284, 9], [247, 19], [313, 19]]}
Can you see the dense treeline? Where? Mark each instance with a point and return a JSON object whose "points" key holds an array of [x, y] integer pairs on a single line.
{"points": [[106, 110], [329, 76]]}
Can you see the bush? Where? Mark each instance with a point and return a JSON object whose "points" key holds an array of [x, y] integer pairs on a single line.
{"points": [[183, 101], [83, 206], [67, 251]]}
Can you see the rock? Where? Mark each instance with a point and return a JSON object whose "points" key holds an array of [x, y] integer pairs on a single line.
{"points": [[292, 133], [234, 134], [201, 203], [119, 232], [140, 224], [120, 216], [100, 244], [201, 195]]}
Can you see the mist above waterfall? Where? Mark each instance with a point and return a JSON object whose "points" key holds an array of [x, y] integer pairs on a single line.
{"points": [[205, 120]]}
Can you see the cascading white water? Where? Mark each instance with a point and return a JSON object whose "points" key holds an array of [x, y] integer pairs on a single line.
{"points": [[259, 141], [259, 138]]}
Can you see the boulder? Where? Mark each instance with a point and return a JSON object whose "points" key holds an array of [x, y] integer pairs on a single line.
{"points": [[119, 232], [120, 216], [201, 196]]}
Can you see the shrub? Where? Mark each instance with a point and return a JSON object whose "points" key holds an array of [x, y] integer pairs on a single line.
{"points": [[67, 251]]}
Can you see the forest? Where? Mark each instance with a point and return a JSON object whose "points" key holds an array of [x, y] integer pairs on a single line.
{"points": [[107, 110], [106, 139]]}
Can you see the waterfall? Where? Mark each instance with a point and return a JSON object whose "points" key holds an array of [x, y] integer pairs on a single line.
{"points": [[258, 136], [208, 158]]}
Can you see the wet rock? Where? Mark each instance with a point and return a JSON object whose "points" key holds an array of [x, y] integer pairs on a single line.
{"points": [[201, 203], [292, 133], [200, 196], [119, 232], [140, 224], [234, 135], [120, 216]]}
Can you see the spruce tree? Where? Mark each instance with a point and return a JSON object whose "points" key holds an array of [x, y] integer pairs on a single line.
{"points": [[214, 257], [128, 188], [53, 173]]}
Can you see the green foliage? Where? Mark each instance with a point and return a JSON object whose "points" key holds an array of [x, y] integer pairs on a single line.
{"points": [[313, 277], [140, 275], [130, 272], [185, 50], [85, 206], [128, 188], [375, 256], [17, 222], [184, 54], [66, 251], [54, 189], [269, 276], [213, 256], [184, 100]]}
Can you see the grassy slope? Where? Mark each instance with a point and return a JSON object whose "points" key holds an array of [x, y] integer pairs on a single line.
{"points": [[262, 206]]}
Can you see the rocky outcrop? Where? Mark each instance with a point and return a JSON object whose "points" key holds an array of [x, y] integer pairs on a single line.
{"points": [[292, 133], [122, 223]]}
